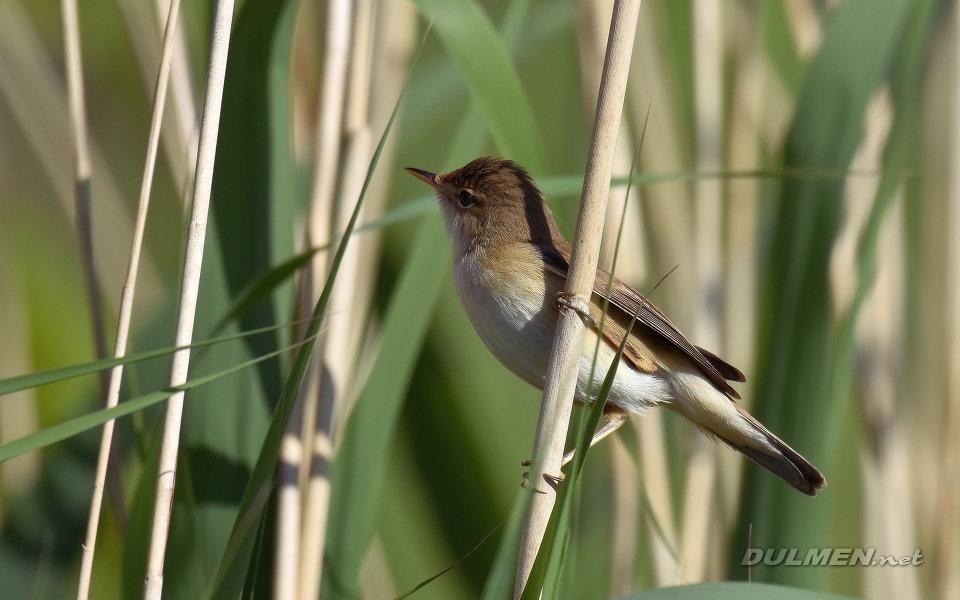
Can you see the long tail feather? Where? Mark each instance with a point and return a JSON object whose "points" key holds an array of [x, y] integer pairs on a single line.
{"points": [[789, 466]]}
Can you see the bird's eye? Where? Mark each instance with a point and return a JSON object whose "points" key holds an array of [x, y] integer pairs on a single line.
{"points": [[466, 199]]}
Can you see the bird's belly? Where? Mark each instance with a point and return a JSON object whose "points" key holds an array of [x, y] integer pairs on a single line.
{"points": [[516, 325]]}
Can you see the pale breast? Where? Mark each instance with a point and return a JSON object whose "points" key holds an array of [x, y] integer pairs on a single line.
{"points": [[514, 311], [505, 297]]}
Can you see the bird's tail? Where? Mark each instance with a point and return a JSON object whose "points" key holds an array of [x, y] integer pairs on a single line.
{"points": [[788, 465], [748, 436]]}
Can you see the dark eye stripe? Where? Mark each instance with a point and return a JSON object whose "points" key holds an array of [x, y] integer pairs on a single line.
{"points": [[466, 198]]}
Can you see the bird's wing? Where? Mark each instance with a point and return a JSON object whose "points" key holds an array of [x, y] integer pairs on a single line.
{"points": [[624, 299]]}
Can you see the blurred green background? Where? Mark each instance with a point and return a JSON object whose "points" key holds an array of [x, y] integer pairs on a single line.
{"points": [[803, 154]]}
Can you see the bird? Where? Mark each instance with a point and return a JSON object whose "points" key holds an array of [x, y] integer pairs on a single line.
{"points": [[510, 269]]}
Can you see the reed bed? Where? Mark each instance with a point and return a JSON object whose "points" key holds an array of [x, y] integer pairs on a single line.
{"points": [[797, 160]]}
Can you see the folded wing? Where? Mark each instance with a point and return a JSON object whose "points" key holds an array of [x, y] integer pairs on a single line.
{"points": [[624, 298]]}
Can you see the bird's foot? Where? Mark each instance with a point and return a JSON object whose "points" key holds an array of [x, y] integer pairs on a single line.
{"points": [[552, 480], [578, 305]]}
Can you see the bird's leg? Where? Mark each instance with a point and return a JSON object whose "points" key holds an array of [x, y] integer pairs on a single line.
{"points": [[614, 417], [581, 307]]}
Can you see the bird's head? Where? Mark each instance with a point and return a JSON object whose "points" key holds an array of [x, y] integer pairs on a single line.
{"points": [[491, 201]]}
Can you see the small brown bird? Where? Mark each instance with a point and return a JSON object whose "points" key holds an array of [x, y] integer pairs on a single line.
{"points": [[510, 267]]}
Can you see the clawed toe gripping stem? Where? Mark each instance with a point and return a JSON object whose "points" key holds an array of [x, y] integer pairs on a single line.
{"points": [[552, 480], [578, 305]]}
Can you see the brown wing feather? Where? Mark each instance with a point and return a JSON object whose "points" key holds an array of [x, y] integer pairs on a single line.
{"points": [[729, 372], [631, 302]]}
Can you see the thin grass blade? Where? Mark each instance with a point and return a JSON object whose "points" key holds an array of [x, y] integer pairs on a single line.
{"points": [[31, 380], [67, 429]]}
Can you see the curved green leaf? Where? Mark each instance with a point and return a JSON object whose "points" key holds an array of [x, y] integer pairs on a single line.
{"points": [[31, 380], [67, 429]]}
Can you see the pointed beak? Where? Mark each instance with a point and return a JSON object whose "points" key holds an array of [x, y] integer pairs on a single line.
{"points": [[427, 176]]}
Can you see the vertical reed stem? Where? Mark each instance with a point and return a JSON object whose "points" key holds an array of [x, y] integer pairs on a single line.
{"points": [[702, 467], [126, 303], [81, 174], [564, 363], [317, 449], [189, 289], [341, 340]]}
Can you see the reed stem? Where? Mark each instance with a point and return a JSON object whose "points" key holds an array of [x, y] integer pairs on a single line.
{"points": [[564, 364], [126, 303], [189, 289]]}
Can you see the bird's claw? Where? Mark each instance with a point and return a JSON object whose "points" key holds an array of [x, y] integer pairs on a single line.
{"points": [[578, 305], [552, 480]]}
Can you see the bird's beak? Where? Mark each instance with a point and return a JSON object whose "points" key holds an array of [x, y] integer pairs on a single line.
{"points": [[427, 176]]}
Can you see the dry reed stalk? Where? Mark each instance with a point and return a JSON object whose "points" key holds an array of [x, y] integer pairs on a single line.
{"points": [[318, 449], [326, 150], [126, 303], [925, 355], [741, 220], [189, 288], [287, 553], [631, 267], [292, 475], [656, 483], [591, 30], [83, 213], [563, 368], [336, 59], [179, 141], [286, 564], [702, 468], [666, 219], [805, 23], [666, 206], [342, 340], [32, 86], [888, 507], [395, 40], [81, 176], [887, 503]]}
